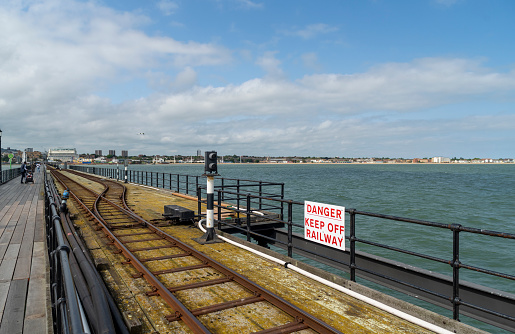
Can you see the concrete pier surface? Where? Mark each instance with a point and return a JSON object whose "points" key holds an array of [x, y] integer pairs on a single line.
{"points": [[25, 304], [338, 309]]}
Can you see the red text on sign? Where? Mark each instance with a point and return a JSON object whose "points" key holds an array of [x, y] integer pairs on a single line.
{"points": [[324, 211]]}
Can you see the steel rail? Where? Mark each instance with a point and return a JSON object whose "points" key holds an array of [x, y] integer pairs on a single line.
{"points": [[302, 319]]}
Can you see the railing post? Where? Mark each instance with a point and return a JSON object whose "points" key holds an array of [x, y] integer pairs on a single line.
{"points": [[223, 188], [238, 201], [260, 195], [455, 271], [282, 203], [352, 215], [178, 184], [290, 228], [219, 209], [248, 217], [187, 184], [199, 200]]}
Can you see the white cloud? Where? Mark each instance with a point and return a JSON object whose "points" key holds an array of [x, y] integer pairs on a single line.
{"points": [[270, 64], [84, 44], [167, 7], [423, 83]]}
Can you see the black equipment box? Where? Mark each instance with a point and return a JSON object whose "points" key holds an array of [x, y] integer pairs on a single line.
{"points": [[178, 212]]}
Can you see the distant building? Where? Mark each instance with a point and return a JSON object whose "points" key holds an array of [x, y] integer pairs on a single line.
{"points": [[199, 153], [98, 153], [33, 156], [158, 159], [62, 154], [112, 152], [441, 160], [125, 154], [29, 149]]}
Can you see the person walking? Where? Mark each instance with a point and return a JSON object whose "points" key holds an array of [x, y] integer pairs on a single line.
{"points": [[23, 170]]}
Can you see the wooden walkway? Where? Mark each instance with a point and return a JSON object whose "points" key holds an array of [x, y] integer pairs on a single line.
{"points": [[24, 279]]}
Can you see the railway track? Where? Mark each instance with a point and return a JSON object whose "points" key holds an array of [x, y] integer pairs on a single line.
{"points": [[139, 240]]}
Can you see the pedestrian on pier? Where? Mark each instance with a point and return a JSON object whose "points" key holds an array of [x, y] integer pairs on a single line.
{"points": [[23, 170]]}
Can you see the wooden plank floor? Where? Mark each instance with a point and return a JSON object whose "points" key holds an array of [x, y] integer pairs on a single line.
{"points": [[24, 280]]}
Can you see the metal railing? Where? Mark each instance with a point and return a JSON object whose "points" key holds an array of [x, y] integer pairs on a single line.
{"points": [[66, 310], [188, 184], [486, 304], [9, 174]]}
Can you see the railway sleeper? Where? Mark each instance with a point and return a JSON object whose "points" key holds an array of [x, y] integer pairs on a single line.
{"points": [[219, 307]]}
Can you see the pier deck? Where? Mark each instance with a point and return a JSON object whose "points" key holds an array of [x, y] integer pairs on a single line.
{"points": [[25, 305]]}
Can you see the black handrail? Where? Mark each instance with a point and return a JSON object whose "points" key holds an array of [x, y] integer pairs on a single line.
{"points": [[455, 299], [9, 174], [186, 184], [65, 306]]}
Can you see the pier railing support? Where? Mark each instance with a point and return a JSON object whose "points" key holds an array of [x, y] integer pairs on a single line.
{"points": [[456, 271], [352, 237]]}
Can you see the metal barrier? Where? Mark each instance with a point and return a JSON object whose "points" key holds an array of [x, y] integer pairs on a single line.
{"points": [[188, 184], [9, 174], [66, 310], [483, 303]]}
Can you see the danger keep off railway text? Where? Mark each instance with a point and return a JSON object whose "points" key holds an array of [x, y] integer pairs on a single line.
{"points": [[325, 224]]}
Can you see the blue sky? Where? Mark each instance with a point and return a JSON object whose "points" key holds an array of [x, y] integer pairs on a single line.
{"points": [[333, 78]]}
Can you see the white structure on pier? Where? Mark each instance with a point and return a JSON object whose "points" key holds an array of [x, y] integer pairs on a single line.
{"points": [[62, 154]]}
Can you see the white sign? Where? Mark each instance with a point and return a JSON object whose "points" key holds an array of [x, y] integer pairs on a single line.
{"points": [[325, 224]]}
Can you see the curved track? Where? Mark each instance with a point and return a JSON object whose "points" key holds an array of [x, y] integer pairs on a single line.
{"points": [[134, 238]]}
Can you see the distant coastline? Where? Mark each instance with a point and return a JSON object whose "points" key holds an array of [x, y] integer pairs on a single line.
{"points": [[304, 163]]}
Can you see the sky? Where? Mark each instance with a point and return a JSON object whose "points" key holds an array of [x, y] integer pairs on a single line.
{"points": [[335, 78]]}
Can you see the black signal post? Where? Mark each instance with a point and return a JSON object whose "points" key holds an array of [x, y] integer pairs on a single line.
{"points": [[211, 162], [211, 170]]}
